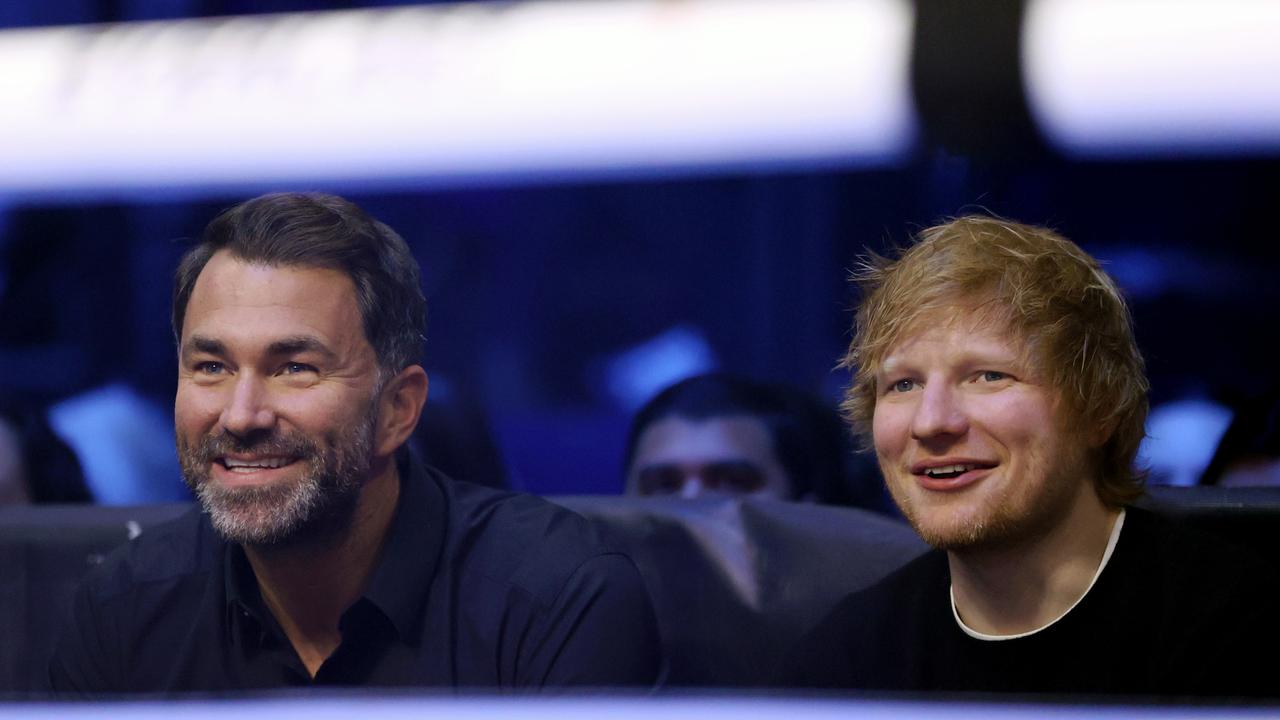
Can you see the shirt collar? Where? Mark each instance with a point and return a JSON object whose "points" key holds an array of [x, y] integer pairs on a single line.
{"points": [[1112, 539], [410, 555], [240, 589], [244, 602]]}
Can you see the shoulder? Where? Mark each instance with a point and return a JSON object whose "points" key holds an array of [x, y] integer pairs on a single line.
{"points": [[166, 553], [922, 580], [868, 627], [540, 582], [1204, 601], [128, 610], [1170, 552], [1187, 571], [1184, 576], [526, 541]]}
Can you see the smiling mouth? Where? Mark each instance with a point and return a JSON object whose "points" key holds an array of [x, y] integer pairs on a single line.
{"points": [[947, 472], [962, 472], [254, 465]]}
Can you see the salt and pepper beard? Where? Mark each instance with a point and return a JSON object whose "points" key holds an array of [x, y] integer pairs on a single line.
{"points": [[319, 503]]}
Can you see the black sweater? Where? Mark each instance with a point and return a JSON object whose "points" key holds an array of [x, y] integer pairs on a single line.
{"points": [[1173, 613]]}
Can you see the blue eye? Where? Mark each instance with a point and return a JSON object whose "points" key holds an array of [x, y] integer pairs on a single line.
{"points": [[296, 368], [993, 375], [903, 386], [209, 368]]}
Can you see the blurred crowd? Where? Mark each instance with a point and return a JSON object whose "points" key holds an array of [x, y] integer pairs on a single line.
{"points": [[712, 434]]}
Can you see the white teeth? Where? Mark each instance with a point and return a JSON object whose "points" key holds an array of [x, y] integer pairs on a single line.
{"points": [[247, 465], [948, 470]]}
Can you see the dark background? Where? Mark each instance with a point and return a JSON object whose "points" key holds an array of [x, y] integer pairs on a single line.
{"points": [[534, 291]]}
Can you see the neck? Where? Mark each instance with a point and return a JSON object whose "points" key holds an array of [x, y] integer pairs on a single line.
{"points": [[1021, 587], [308, 584]]}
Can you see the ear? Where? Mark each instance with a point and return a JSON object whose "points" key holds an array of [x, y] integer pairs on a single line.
{"points": [[399, 408], [1100, 433]]}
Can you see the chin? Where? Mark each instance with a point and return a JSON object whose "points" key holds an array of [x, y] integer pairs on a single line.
{"points": [[969, 537], [258, 515], [958, 526]]}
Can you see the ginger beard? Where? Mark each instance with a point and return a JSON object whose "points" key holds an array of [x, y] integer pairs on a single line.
{"points": [[1011, 515], [321, 500], [968, 392]]}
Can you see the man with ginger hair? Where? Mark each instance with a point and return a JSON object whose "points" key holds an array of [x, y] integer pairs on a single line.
{"points": [[999, 383]]}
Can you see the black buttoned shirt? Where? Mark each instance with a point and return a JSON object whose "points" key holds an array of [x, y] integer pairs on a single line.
{"points": [[475, 588]]}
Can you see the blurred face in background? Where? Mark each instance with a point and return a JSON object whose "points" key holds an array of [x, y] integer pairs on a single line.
{"points": [[728, 456], [1252, 472]]}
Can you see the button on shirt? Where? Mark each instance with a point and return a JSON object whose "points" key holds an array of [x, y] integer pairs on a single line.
{"points": [[475, 588]]}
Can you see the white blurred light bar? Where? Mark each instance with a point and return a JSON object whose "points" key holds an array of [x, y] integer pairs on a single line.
{"points": [[1155, 77], [455, 93]]}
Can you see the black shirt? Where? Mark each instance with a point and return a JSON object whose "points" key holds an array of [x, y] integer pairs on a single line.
{"points": [[475, 588], [1173, 613]]}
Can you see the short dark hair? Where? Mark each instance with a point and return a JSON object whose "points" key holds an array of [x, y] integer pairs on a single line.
{"points": [[53, 470], [809, 438], [322, 231], [1254, 434]]}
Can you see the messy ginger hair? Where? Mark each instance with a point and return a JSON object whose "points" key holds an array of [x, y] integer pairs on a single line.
{"points": [[1070, 315]]}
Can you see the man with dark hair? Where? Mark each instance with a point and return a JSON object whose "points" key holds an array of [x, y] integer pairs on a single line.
{"points": [[997, 378], [722, 434], [325, 553], [36, 466], [1248, 455]]}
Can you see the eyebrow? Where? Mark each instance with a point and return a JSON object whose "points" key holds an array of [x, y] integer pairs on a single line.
{"points": [[202, 344], [977, 357], [299, 344], [285, 346], [890, 366]]}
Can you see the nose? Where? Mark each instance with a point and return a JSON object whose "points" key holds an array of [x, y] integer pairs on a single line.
{"points": [[692, 487], [940, 413], [248, 409]]}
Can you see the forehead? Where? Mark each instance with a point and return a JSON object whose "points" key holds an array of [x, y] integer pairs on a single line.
{"points": [[680, 440], [960, 330], [236, 298]]}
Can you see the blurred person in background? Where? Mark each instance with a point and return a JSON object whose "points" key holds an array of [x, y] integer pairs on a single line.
{"points": [[36, 466], [1249, 453], [454, 436], [723, 435]]}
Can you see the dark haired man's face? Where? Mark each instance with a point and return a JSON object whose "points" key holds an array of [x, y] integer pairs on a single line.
{"points": [[275, 412], [727, 456]]}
